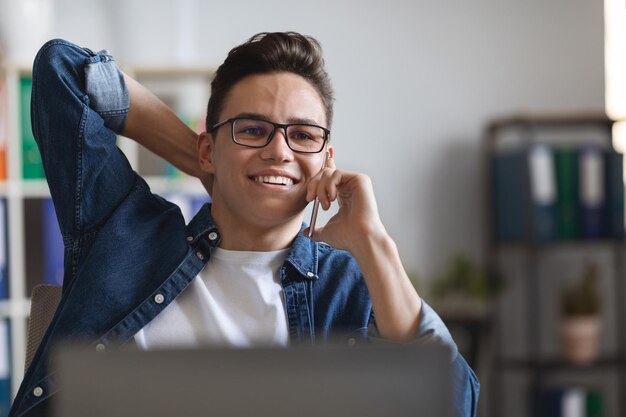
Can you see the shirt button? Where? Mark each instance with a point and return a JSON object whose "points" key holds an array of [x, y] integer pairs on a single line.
{"points": [[100, 347], [159, 298], [38, 392], [351, 341], [189, 238], [310, 274], [213, 236], [200, 256]]}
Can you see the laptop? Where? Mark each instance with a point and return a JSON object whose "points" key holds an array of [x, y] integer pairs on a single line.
{"points": [[362, 381]]}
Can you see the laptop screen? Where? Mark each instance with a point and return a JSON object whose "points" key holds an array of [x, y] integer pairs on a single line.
{"points": [[388, 381]]}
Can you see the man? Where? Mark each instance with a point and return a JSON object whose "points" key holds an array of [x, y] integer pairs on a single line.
{"points": [[243, 272]]}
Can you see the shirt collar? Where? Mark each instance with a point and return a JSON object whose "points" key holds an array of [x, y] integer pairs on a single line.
{"points": [[203, 228], [302, 255]]}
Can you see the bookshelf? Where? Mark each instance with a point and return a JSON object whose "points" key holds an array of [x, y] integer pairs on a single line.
{"points": [[26, 195], [535, 243]]}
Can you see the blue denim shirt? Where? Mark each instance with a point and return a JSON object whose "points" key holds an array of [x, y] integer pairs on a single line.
{"points": [[128, 252]]}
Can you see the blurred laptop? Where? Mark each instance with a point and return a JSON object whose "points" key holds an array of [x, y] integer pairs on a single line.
{"points": [[359, 381]]}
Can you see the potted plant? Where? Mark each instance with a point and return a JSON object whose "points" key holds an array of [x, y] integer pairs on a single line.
{"points": [[464, 286], [580, 319], [463, 294]]}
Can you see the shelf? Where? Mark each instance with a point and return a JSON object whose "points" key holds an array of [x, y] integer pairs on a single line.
{"points": [[558, 364], [562, 245], [158, 184], [24, 189], [539, 169], [556, 119], [19, 308], [183, 184]]}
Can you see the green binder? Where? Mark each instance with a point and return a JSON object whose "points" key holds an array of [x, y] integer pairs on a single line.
{"points": [[32, 168], [594, 404], [566, 164]]}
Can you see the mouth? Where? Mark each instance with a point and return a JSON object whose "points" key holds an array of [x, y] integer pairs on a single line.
{"points": [[274, 180]]}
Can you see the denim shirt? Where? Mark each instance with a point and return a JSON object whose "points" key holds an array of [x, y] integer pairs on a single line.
{"points": [[128, 252]]}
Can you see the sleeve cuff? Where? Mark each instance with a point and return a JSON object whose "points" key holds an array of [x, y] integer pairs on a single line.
{"points": [[432, 330], [107, 90]]}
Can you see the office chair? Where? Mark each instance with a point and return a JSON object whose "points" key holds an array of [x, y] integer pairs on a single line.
{"points": [[44, 302]]}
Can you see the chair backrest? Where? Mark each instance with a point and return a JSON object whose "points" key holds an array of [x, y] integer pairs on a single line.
{"points": [[44, 302]]}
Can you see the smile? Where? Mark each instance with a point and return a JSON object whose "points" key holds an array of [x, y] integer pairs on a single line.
{"points": [[274, 180]]}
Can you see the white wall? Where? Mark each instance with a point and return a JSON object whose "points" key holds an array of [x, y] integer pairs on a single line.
{"points": [[416, 82]]}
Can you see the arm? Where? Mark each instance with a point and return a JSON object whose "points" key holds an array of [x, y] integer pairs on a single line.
{"points": [[399, 312], [358, 229], [76, 95], [154, 125]]}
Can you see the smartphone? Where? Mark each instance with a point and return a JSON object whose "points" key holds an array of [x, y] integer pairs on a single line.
{"points": [[316, 202]]}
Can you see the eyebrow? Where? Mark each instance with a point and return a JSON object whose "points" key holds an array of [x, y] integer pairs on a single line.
{"points": [[291, 120]]}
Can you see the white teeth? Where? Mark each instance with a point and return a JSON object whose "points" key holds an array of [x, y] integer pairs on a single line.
{"points": [[270, 179]]}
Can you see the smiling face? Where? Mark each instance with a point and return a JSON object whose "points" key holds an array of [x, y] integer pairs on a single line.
{"points": [[262, 189]]}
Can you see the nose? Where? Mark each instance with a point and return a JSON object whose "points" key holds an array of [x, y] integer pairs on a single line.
{"points": [[277, 149]]}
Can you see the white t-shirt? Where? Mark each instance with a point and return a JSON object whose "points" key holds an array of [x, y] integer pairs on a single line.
{"points": [[236, 300]]}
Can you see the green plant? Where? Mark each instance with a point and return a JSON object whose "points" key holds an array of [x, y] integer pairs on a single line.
{"points": [[583, 298], [464, 277]]}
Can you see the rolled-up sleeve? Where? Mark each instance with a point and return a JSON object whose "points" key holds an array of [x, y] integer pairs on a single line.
{"points": [[79, 102], [107, 91]]}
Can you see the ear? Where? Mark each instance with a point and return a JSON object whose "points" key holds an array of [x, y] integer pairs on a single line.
{"points": [[206, 148], [331, 151]]}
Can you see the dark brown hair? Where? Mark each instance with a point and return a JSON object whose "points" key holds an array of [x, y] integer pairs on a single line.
{"points": [[267, 53]]}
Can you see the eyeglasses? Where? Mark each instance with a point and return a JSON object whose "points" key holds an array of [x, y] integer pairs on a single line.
{"points": [[256, 133]]}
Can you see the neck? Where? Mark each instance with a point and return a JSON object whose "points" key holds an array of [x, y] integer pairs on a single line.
{"points": [[254, 234]]}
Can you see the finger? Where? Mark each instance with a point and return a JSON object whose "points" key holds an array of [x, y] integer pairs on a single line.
{"points": [[331, 163], [323, 186], [333, 185], [311, 189], [313, 185]]}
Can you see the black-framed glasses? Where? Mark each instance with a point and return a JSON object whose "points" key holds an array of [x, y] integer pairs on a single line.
{"points": [[257, 133]]}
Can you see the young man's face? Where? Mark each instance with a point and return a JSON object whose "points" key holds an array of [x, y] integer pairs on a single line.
{"points": [[240, 191]]}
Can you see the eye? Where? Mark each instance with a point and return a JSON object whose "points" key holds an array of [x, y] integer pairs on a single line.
{"points": [[253, 130], [247, 128], [300, 135]]}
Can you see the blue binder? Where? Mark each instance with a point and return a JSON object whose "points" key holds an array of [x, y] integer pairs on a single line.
{"points": [[52, 242], [614, 195], [508, 170]]}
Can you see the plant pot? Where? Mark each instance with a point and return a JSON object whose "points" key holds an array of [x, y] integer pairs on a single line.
{"points": [[580, 338]]}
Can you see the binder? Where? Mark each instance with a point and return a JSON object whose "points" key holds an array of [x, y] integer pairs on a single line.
{"points": [[5, 368], [53, 248], [592, 192], [4, 277], [198, 201], [4, 130], [551, 404], [571, 401], [508, 171], [543, 192], [614, 194], [189, 204], [594, 404], [574, 403], [32, 167], [566, 163]]}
